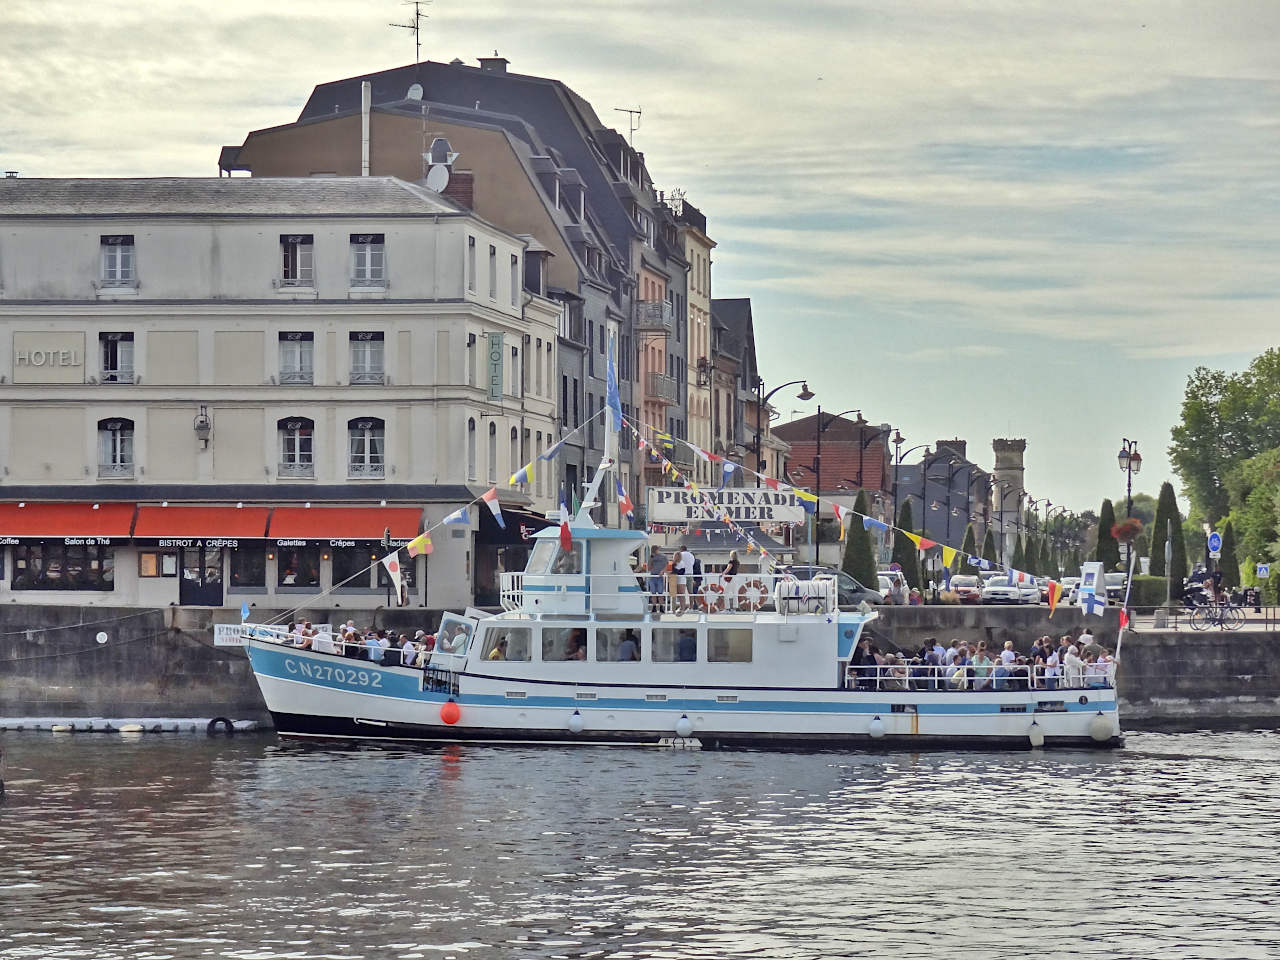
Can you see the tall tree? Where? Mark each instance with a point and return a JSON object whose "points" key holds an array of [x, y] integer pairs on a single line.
{"points": [[1166, 507], [1019, 559], [1178, 569], [905, 553], [1228, 563], [1032, 559], [859, 554], [1108, 550], [989, 548], [970, 545]]}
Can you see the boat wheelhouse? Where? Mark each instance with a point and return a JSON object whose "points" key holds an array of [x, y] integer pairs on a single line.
{"points": [[582, 652]]}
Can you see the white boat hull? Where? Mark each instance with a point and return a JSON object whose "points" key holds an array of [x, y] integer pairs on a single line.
{"points": [[320, 695]]}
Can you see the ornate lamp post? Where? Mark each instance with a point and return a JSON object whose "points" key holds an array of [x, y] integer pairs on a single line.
{"points": [[804, 394], [817, 479], [1130, 461]]}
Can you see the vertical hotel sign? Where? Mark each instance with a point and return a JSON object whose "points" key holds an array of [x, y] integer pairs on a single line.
{"points": [[495, 367]]}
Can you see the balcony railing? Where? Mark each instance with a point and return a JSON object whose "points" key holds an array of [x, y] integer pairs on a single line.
{"points": [[359, 377], [297, 376], [115, 471], [366, 471], [296, 470], [123, 375], [664, 388], [654, 316]]}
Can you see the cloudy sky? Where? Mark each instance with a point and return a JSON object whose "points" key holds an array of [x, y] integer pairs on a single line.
{"points": [[1021, 219]]}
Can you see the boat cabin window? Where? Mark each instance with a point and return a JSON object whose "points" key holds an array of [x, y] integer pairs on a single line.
{"points": [[540, 559], [507, 643], [568, 561], [617, 645], [454, 635], [564, 643], [728, 646], [675, 645], [548, 557]]}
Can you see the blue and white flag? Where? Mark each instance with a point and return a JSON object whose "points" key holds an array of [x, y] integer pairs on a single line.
{"points": [[726, 472], [552, 451], [458, 516], [244, 610], [612, 398], [871, 523], [1092, 603]]}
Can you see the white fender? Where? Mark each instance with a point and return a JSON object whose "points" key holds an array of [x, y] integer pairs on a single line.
{"points": [[684, 726], [1100, 727], [877, 728], [576, 723], [1036, 734]]}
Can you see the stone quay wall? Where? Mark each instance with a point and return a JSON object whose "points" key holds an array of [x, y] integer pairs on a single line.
{"points": [[162, 663]]}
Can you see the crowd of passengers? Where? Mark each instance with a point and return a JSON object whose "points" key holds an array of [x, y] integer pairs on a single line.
{"points": [[1067, 663], [356, 643]]}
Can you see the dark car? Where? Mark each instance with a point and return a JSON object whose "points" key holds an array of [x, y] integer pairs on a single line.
{"points": [[849, 592]]}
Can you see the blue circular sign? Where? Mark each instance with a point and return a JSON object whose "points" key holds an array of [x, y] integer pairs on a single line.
{"points": [[1215, 541]]}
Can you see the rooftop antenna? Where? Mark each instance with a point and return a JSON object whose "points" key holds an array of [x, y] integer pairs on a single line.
{"points": [[416, 27], [633, 118]]}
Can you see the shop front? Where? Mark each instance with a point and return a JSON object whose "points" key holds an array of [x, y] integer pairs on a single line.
{"points": [[62, 548], [499, 550], [197, 548]]}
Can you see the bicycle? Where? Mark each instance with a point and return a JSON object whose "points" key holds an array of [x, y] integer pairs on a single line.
{"points": [[1224, 616]]}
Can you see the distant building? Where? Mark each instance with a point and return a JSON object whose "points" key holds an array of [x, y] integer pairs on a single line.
{"points": [[216, 391]]}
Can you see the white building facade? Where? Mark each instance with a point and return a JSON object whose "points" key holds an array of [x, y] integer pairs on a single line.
{"points": [[216, 391]]}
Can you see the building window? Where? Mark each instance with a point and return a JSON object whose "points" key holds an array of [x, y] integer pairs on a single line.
{"points": [[591, 424], [515, 450], [493, 452], [515, 280], [351, 568], [577, 413], [368, 260], [471, 359], [365, 448], [296, 259], [299, 567], [471, 449], [537, 474], [297, 358], [297, 436], [493, 272], [249, 566], [55, 565], [515, 372], [152, 563], [471, 264], [115, 448], [119, 268], [367, 357], [537, 373], [564, 401], [116, 352], [591, 350]]}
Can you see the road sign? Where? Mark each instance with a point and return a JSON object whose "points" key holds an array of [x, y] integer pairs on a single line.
{"points": [[1264, 571], [1215, 545]]}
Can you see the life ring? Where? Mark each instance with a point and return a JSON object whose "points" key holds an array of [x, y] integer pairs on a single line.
{"points": [[227, 726], [752, 595], [713, 597]]}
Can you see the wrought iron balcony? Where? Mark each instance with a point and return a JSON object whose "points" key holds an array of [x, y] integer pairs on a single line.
{"points": [[654, 316], [297, 376], [364, 377], [297, 470], [366, 471], [663, 388], [115, 471]]}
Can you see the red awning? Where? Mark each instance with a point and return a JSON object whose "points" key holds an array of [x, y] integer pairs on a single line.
{"points": [[348, 523], [33, 521], [235, 523]]}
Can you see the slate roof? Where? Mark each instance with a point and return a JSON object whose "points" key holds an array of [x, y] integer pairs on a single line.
{"points": [[219, 196]]}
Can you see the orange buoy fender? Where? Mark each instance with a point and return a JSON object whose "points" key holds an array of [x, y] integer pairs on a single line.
{"points": [[450, 712]]}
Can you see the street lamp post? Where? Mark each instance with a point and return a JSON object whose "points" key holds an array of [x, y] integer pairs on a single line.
{"points": [[1130, 461], [804, 394]]}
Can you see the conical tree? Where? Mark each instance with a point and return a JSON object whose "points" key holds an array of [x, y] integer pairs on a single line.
{"points": [[1108, 550], [859, 554], [967, 548], [1178, 568], [1033, 556], [989, 548], [1166, 508], [905, 553], [1141, 546], [1019, 559], [1228, 564]]}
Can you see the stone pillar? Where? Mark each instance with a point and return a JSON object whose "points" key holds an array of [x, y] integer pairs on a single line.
{"points": [[1009, 469]]}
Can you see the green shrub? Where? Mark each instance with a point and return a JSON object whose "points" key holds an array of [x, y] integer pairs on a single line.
{"points": [[1147, 591]]}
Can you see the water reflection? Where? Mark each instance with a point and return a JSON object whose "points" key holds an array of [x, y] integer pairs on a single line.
{"points": [[186, 847]]}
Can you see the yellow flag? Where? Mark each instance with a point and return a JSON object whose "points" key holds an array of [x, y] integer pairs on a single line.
{"points": [[948, 556], [912, 537], [805, 495]]}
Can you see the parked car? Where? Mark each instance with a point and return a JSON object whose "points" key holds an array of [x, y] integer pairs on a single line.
{"points": [[1115, 584], [1068, 584], [967, 588], [885, 586], [849, 592], [998, 589]]}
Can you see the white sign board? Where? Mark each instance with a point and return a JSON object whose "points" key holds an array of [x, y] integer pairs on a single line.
{"points": [[743, 504], [1091, 579], [229, 634]]}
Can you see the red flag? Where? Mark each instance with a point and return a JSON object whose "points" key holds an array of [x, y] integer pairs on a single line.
{"points": [[1124, 618], [566, 538], [771, 483], [926, 543]]}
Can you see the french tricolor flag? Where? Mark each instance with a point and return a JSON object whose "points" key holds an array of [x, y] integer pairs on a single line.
{"points": [[624, 501], [566, 538]]}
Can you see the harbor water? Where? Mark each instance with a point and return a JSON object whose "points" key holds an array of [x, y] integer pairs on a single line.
{"points": [[176, 846]]}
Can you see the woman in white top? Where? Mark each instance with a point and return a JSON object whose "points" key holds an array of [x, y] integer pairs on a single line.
{"points": [[1073, 668], [1052, 671]]}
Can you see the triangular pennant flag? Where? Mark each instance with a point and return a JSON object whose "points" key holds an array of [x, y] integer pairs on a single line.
{"points": [[805, 495], [613, 402], [840, 513], [914, 538], [927, 544], [566, 537], [948, 557], [392, 564], [420, 544], [726, 471], [458, 516], [771, 483], [491, 501], [552, 451], [523, 475], [871, 523]]}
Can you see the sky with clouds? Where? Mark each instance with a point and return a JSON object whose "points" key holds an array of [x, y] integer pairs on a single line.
{"points": [[974, 219]]}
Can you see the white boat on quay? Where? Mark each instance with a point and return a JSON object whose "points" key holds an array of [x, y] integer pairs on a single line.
{"points": [[582, 654]]}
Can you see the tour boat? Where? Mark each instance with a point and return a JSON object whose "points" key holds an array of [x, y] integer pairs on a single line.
{"points": [[582, 653]]}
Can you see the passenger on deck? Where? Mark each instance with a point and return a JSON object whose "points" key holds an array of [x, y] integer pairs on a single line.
{"points": [[629, 646], [657, 575], [373, 649], [1073, 668], [408, 651], [576, 645], [1052, 668], [687, 647], [499, 651], [958, 670], [323, 643], [684, 577], [981, 667]]}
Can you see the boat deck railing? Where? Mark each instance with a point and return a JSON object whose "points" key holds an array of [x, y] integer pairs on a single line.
{"points": [[906, 675]]}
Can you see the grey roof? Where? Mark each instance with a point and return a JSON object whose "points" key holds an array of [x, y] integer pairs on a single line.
{"points": [[219, 196], [735, 315]]}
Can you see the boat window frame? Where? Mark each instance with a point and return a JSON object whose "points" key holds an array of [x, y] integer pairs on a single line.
{"points": [[564, 630], [657, 644], [611, 652], [735, 629], [496, 632]]}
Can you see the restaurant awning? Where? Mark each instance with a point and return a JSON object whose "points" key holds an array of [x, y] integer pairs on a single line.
{"points": [[188, 526], [103, 522], [323, 524]]}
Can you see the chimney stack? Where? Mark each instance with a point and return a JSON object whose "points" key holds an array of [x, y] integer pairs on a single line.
{"points": [[366, 99]]}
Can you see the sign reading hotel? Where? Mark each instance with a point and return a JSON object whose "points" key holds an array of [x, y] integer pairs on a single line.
{"points": [[48, 356], [495, 367], [743, 504]]}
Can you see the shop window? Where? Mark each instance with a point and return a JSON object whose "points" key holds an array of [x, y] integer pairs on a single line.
{"points": [[351, 568], [729, 646], [249, 566], [53, 565], [564, 643], [675, 646], [298, 567], [154, 563]]}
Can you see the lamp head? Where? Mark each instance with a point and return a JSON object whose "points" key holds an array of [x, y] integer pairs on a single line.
{"points": [[1123, 457], [805, 393]]}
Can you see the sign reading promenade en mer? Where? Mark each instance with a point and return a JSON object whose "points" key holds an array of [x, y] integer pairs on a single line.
{"points": [[743, 504]]}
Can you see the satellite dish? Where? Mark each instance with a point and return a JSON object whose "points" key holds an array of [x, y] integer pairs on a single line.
{"points": [[415, 92], [438, 178], [101, 637]]}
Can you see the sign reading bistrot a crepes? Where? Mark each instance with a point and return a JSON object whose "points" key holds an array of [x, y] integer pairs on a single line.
{"points": [[742, 504]]}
